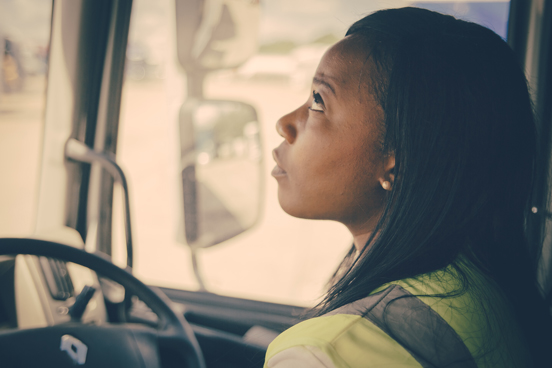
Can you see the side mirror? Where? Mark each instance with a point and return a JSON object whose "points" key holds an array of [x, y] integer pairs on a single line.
{"points": [[221, 161], [216, 34]]}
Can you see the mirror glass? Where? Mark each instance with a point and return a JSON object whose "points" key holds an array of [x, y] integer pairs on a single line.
{"points": [[221, 170]]}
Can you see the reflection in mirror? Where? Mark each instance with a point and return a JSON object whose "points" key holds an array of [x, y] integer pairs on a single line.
{"points": [[221, 170]]}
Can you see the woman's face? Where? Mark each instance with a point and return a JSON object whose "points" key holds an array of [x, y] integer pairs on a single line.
{"points": [[330, 165]]}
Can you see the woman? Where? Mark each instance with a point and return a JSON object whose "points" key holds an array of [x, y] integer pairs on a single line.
{"points": [[419, 137]]}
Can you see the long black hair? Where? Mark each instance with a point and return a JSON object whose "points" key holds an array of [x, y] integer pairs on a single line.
{"points": [[459, 120]]}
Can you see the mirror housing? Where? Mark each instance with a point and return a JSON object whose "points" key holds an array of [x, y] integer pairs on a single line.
{"points": [[216, 34], [221, 170]]}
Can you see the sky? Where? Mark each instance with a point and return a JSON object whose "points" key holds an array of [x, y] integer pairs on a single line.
{"points": [[285, 19]]}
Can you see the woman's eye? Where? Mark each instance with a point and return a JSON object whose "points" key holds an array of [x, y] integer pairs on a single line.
{"points": [[317, 103]]}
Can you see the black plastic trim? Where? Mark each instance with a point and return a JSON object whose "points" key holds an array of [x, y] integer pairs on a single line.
{"points": [[92, 27], [235, 314], [108, 114], [97, 86], [518, 26]]}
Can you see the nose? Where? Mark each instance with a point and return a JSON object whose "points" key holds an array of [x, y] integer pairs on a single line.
{"points": [[287, 128]]}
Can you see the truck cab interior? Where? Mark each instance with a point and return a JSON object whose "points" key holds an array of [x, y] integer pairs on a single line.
{"points": [[138, 222]]}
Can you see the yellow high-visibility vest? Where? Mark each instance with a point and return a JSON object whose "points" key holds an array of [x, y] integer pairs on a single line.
{"points": [[407, 324]]}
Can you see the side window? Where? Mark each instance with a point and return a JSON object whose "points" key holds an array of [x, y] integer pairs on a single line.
{"points": [[24, 42], [281, 259], [491, 14]]}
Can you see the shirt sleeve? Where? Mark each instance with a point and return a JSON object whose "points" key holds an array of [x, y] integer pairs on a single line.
{"points": [[301, 357]]}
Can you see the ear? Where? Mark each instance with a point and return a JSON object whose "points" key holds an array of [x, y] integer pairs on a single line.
{"points": [[388, 178]]}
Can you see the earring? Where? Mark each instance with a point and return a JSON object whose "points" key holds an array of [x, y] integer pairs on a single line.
{"points": [[386, 185]]}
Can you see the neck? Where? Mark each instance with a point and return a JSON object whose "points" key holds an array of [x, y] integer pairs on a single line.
{"points": [[362, 227], [361, 232], [360, 240]]}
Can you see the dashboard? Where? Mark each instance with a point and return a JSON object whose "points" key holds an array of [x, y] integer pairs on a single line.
{"points": [[37, 291]]}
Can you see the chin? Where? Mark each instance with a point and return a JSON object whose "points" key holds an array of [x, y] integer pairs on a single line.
{"points": [[297, 208], [291, 206]]}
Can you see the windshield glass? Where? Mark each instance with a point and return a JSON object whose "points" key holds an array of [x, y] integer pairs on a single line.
{"points": [[24, 41], [281, 258], [260, 58]]}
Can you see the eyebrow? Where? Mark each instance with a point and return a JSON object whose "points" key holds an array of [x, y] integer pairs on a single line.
{"points": [[320, 80]]}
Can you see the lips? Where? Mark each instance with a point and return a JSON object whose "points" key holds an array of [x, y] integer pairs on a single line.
{"points": [[278, 170]]}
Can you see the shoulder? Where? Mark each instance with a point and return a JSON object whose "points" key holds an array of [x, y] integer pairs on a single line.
{"points": [[430, 319], [304, 356], [345, 337], [334, 342]]}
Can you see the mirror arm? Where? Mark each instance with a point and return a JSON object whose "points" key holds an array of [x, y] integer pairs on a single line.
{"points": [[197, 271], [194, 83], [80, 152]]}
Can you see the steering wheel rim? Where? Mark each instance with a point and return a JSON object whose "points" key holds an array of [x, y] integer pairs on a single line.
{"points": [[171, 324]]}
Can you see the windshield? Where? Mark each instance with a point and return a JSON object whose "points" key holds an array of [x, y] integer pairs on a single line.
{"points": [[24, 43], [281, 258]]}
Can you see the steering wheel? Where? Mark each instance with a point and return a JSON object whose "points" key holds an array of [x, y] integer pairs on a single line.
{"points": [[124, 345]]}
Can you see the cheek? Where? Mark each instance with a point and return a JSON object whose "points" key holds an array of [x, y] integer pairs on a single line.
{"points": [[329, 180], [328, 161]]}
